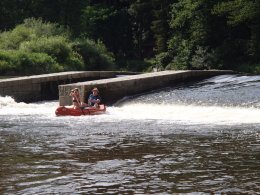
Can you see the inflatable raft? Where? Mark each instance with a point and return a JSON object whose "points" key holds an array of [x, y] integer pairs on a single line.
{"points": [[66, 111]]}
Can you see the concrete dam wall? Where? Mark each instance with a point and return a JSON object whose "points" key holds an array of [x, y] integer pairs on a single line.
{"points": [[113, 89], [45, 86]]}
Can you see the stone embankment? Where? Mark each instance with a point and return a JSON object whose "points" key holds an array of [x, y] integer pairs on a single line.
{"points": [[114, 89], [45, 87]]}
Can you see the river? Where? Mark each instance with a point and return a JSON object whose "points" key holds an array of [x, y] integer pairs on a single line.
{"points": [[197, 137]]}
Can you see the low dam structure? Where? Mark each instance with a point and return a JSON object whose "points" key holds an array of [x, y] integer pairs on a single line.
{"points": [[45, 86], [113, 89]]}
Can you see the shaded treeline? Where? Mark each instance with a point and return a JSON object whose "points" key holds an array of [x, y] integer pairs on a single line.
{"points": [[141, 34]]}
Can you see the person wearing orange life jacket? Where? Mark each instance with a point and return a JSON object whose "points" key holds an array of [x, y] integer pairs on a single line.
{"points": [[75, 98]]}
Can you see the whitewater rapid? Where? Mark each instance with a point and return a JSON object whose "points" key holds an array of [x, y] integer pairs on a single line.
{"points": [[171, 113]]}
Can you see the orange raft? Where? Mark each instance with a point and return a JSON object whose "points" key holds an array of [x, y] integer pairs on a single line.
{"points": [[65, 111]]}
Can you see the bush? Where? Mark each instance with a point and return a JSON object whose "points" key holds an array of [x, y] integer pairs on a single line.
{"points": [[95, 55], [31, 29], [8, 61], [59, 48], [37, 63], [18, 62], [45, 29], [13, 39], [161, 61], [37, 42]]}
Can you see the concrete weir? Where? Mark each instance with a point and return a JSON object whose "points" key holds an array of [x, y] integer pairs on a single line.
{"points": [[45, 86], [113, 89]]}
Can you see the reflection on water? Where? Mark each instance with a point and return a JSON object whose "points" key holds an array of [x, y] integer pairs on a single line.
{"points": [[82, 161], [124, 152]]}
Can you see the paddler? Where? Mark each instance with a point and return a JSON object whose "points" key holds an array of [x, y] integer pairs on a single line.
{"points": [[74, 93], [94, 98]]}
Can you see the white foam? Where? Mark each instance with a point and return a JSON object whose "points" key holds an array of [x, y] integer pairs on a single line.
{"points": [[172, 113], [188, 113], [8, 106]]}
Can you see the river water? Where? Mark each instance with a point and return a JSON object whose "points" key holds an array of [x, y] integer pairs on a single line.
{"points": [[199, 137]]}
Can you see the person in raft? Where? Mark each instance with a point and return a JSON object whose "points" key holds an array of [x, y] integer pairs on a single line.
{"points": [[74, 93], [94, 98]]}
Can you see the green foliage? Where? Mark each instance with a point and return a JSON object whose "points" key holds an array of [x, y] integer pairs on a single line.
{"points": [[237, 11], [59, 48], [31, 29], [201, 37], [45, 29], [135, 65], [188, 31], [159, 25], [94, 20], [244, 17], [13, 39], [141, 14], [181, 53], [188, 21], [66, 13], [95, 55], [110, 25], [19, 62], [38, 42], [171, 34], [182, 60], [204, 59], [161, 60]]}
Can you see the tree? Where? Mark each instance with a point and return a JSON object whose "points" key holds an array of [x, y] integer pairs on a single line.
{"points": [[141, 15], [64, 12], [243, 18], [110, 25], [189, 30], [159, 25]]}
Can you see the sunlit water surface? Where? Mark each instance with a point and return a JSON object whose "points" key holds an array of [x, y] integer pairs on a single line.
{"points": [[198, 137]]}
